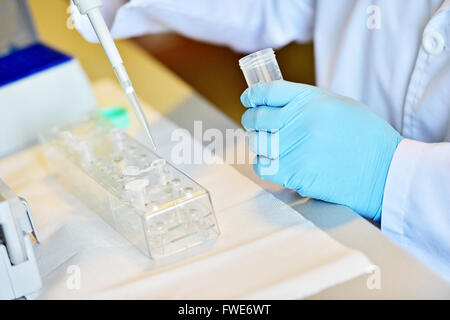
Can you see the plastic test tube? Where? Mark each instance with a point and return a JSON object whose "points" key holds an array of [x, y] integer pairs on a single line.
{"points": [[138, 191], [162, 171], [260, 66]]}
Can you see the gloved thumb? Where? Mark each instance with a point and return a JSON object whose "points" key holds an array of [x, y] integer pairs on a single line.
{"points": [[273, 94]]}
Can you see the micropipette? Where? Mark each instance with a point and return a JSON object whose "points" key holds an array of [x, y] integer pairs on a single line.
{"points": [[91, 9]]}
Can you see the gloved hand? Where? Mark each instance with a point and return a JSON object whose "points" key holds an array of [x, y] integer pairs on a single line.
{"points": [[330, 147]]}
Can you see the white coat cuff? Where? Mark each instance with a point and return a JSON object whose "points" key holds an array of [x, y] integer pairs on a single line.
{"points": [[399, 186]]}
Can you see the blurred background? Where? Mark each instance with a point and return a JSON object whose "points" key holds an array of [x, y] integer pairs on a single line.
{"points": [[211, 70]]}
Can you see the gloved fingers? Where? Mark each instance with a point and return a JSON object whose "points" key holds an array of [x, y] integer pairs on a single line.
{"points": [[277, 170], [264, 143], [272, 118], [268, 169], [262, 118], [274, 94], [282, 171], [274, 144]]}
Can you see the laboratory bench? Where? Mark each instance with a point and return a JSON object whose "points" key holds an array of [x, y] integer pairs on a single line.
{"points": [[402, 276]]}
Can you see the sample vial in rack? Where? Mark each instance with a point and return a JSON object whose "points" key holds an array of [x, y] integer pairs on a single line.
{"points": [[155, 206]]}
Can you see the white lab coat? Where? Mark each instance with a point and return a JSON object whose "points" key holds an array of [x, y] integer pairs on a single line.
{"points": [[392, 55]]}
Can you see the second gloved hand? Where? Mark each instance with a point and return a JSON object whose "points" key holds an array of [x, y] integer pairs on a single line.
{"points": [[330, 147]]}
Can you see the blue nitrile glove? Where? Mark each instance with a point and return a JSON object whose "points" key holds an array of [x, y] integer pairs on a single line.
{"points": [[330, 147]]}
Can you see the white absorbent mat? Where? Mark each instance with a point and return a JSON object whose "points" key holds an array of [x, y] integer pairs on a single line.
{"points": [[265, 250]]}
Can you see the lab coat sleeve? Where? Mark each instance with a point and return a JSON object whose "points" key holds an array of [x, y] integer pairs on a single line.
{"points": [[244, 25], [416, 203]]}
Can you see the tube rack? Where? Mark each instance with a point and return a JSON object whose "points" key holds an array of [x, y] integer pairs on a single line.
{"points": [[152, 204]]}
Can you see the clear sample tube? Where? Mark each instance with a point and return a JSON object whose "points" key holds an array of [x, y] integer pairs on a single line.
{"points": [[118, 140], [260, 66], [86, 153], [138, 191], [176, 187], [162, 171], [131, 171]]}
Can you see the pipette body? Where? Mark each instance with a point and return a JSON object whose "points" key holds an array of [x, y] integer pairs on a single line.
{"points": [[92, 9]]}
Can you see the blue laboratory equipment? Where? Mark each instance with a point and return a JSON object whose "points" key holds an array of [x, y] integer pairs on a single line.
{"points": [[36, 82]]}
